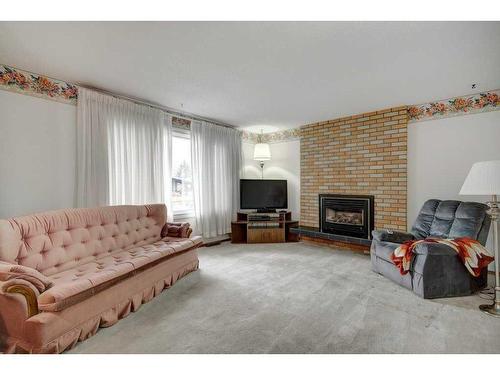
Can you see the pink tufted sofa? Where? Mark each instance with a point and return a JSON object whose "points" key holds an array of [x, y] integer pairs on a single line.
{"points": [[64, 274]]}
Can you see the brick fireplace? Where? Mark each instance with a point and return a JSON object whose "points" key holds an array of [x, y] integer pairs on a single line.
{"points": [[364, 154]]}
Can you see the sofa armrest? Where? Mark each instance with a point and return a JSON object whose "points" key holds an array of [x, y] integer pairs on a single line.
{"points": [[392, 236], [181, 230], [12, 292], [16, 272]]}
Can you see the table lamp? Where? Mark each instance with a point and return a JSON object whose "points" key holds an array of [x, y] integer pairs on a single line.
{"points": [[261, 152]]}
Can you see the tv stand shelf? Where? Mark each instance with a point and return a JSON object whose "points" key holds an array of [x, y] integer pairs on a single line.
{"points": [[252, 227]]}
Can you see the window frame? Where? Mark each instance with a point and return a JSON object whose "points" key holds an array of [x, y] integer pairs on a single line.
{"points": [[181, 214]]}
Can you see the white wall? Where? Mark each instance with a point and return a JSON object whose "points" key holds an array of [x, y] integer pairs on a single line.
{"points": [[441, 152], [285, 164], [37, 154]]}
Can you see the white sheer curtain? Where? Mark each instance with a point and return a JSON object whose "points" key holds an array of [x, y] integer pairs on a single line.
{"points": [[216, 160], [122, 152]]}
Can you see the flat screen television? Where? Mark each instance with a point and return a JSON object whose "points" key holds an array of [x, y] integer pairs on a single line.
{"points": [[263, 194]]}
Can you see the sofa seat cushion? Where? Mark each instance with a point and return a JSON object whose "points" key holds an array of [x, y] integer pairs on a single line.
{"points": [[194, 240], [77, 284]]}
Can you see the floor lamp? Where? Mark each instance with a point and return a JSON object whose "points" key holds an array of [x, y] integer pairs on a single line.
{"points": [[484, 179]]}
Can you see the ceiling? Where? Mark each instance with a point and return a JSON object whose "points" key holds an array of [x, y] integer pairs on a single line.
{"points": [[270, 75]]}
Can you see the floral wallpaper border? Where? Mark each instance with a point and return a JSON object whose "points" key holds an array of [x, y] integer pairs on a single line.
{"points": [[12, 79], [21, 81], [181, 123], [247, 136], [458, 106], [286, 135]]}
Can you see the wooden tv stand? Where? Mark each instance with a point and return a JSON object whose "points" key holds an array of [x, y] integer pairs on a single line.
{"points": [[252, 227]]}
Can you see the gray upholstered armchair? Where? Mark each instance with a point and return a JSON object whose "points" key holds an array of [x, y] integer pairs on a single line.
{"points": [[436, 269]]}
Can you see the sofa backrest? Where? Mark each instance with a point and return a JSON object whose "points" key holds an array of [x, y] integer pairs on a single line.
{"points": [[452, 219], [55, 241]]}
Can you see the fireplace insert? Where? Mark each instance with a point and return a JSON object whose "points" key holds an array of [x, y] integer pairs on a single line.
{"points": [[347, 215]]}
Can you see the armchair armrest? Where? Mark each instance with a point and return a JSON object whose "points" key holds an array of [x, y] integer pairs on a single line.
{"points": [[392, 236], [181, 230], [434, 249]]}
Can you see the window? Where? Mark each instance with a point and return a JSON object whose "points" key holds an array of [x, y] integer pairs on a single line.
{"points": [[182, 179]]}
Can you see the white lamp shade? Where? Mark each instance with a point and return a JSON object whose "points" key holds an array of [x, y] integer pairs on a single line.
{"points": [[261, 151], [483, 179]]}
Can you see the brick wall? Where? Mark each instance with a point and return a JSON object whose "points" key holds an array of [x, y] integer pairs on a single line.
{"points": [[361, 154]]}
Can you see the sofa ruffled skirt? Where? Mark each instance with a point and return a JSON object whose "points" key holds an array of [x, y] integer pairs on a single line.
{"points": [[55, 332]]}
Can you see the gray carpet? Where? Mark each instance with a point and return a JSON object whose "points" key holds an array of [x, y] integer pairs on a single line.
{"points": [[295, 298]]}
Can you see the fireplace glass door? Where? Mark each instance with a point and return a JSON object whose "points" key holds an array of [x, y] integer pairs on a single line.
{"points": [[346, 217]]}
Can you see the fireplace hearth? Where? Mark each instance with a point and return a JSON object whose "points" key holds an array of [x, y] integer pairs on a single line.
{"points": [[347, 215]]}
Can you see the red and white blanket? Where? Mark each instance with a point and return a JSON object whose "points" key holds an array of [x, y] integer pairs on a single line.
{"points": [[474, 255]]}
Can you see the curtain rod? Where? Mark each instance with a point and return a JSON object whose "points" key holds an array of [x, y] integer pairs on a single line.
{"points": [[171, 111]]}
